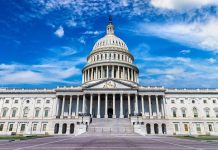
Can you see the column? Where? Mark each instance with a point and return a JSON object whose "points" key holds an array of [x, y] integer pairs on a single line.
{"points": [[157, 106], [122, 73], [77, 106], [91, 101], [150, 108], [92, 74], [162, 108], [118, 72], [70, 107], [101, 72], [84, 98], [82, 77], [136, 104], [143, 111], [114, 112], [121, 106], [97, 75], [107, 72], [131, 74], [88, 74], [62, 110], [129, 105], [106, 102], [128, 74], [98, 113], [112, 72]]}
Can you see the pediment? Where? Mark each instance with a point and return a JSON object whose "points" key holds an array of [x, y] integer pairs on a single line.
{"points": [[110, 84]]}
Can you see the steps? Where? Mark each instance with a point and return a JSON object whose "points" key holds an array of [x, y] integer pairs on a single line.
{"points": [[110, 126]]}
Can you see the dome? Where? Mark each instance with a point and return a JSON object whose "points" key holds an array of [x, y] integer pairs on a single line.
{"points": [[110, 41]]}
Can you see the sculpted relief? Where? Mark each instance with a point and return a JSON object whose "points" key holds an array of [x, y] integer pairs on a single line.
{"points": [[109, 84]]}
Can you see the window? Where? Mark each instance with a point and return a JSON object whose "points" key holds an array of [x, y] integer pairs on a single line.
{"points": [[205, 101], [37, 113], [10, 127], [193, 101], [198, 127], [14, 111], [5, 110], [7, 101], [176, 127], [216, 113], [172, 101], [46, 113], [27, 101], [38, 101], [214, 101], [195, 112], [16, 101], [186, 127], [25, 112], [210, 127], [1, 127], [44, 127], [207, 112], [34, 127], [174, 112], [183, 113], [182, 101], [22, 127], [47, 101]]}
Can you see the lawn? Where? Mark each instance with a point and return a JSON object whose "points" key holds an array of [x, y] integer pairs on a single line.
{"points": [[200, 137], [20, 137]]}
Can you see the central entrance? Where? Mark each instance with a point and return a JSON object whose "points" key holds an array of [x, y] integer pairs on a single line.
{"points": [[110, 112]]}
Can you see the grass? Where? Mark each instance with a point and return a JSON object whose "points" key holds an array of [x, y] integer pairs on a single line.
{"points": [[200, 137], [20, 137]]}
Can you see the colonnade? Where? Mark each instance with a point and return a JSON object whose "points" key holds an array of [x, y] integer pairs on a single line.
{"points": [[110, 71], [117, 103]]}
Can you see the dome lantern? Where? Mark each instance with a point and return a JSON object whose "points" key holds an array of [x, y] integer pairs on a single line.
{"points": [[110, 26]]}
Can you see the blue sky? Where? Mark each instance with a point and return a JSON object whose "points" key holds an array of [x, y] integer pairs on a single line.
{"points": [[44, 43]]}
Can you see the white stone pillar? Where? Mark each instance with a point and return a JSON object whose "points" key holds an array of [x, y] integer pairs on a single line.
{"points": [[136, 104], [62, 110], [129, 105], [113, 71], [84, 98], [91, 101], [143, 111], [92, 74], [118, 72], [106, 102], [101, 72], [150, 108], [128, 74], [97, 74], [107, 72], [131, 74], [121, 106], [157, 107], [114, 107], [70, 107], [88, 75], [98, 113], [77, 106]]}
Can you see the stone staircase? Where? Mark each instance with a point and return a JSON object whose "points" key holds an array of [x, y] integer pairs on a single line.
{"points": [[110, 126]]}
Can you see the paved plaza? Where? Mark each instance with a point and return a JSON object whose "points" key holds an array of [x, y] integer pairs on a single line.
{"points": [[108, 143]]}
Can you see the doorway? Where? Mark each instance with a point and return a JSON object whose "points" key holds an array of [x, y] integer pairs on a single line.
{"points": [[110, 112]]}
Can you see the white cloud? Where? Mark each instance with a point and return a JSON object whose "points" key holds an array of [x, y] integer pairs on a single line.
{"points": [[47, 72], [82, 40], [211, 60], [185, 51], [203, 35], [93, 32], [59, 32], [182, 4]]}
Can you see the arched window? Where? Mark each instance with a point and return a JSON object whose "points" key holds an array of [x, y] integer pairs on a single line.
{"points": [[14, 112], [25, 112], [4, 112], [174, 112], [183, 111], [195, 112]]}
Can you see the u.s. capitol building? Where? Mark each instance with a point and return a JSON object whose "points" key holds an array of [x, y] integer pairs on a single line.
{"points": [[110, 99]]}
